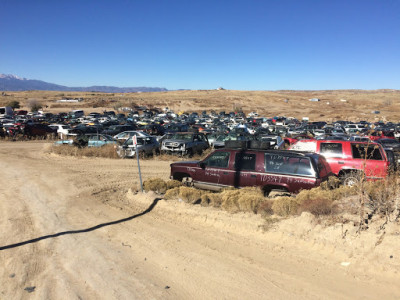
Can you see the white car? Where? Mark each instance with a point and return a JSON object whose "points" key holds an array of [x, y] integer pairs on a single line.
{"points": [[62, 129]]}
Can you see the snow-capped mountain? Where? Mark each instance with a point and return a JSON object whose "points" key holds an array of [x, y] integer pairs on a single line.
{"points": [[10, 82], [11, 76]]}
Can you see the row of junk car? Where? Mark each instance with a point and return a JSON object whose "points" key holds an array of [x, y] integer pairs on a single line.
{"points": [[277, 154]]}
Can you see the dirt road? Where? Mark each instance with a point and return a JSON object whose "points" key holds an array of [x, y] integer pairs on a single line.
{"points": [[75, 229]]}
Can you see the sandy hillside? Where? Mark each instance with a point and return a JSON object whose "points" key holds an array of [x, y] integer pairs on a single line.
{"points": [[76, 229]]}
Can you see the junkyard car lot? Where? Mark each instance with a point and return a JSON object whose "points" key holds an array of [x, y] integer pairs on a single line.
{"points": [[186, 134]]}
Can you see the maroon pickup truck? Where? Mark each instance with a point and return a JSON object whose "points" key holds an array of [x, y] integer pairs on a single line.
{"points": [[269, 169]]}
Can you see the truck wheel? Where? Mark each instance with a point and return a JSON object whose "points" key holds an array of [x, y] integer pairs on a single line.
{"points": [[189, 153], [351, 178], [187, 181]]}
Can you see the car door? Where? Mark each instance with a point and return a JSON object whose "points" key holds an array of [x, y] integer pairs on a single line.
{"points": [[244, 169], [370, 158], [216, 170]]}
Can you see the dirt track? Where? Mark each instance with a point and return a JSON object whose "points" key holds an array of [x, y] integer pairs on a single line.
{"points": [[154, 249]]}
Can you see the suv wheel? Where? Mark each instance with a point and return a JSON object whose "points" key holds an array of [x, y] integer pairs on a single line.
{"points": [[351, 178], [189, 153], [187, 181]]}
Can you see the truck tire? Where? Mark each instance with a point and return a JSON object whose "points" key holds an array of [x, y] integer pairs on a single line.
{"points": [[351, 178]]}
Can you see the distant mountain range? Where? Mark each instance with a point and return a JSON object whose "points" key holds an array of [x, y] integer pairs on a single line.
{"points": [[9, 82]]}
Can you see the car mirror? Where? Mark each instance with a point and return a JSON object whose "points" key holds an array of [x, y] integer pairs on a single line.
{"points": [[202, 165]]}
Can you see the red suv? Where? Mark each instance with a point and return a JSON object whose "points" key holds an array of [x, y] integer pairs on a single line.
{"points": [[270, 169], [349, 158]]}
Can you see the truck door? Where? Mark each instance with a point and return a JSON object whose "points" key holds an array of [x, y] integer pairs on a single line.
{"points": [[244, 169]]}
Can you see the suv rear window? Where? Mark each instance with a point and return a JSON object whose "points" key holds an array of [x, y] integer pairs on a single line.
{"points": [[331, 149], [245, 161], [362, 151], [283, 164]]}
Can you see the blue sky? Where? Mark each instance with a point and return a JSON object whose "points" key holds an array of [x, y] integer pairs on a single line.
{"points": [[239, 45]]}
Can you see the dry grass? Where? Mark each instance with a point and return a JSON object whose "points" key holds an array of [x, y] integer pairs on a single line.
{"points": [[384, 198], [172, 193], [156, 185], [285, 206], [231, 200], [247, 199], [107, 151]]}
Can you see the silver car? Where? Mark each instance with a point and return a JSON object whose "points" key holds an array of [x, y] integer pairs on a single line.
{"points": [[145, 144]]}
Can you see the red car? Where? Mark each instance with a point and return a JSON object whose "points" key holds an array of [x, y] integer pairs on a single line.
{"points": [[376, 135], [349, 159], [290, 140]]}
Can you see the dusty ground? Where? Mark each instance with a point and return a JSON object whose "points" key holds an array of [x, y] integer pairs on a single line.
{"points": [[76, 229]]}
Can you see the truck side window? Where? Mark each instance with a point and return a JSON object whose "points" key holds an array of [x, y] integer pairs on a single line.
{"points": [[245, 161], [370, 152], [331, 149]]}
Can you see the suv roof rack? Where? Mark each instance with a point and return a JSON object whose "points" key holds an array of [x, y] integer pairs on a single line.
{"points": [[256, 145]]}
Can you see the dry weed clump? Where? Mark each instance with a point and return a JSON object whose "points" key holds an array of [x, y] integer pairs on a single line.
{"points": [[187, 194], [172, 194], [384, 196], [156, 185], [173, 184], [285, 206], [265, 207], [190, 195], [106, 151], [247, 199], [211, 199], [318, 206]]}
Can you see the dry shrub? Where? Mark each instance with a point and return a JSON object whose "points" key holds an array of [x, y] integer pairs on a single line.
{"points": [[173, 184], [285, 206], [166, 157], [106, 151], [156, 185], [383, 195], [190, 195], [265, 207], [211, 199], [172, 194], [320, 193], [320, 200], [187, 194], [333, 182], [65, 150], [246, 199], [317, 207]]}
